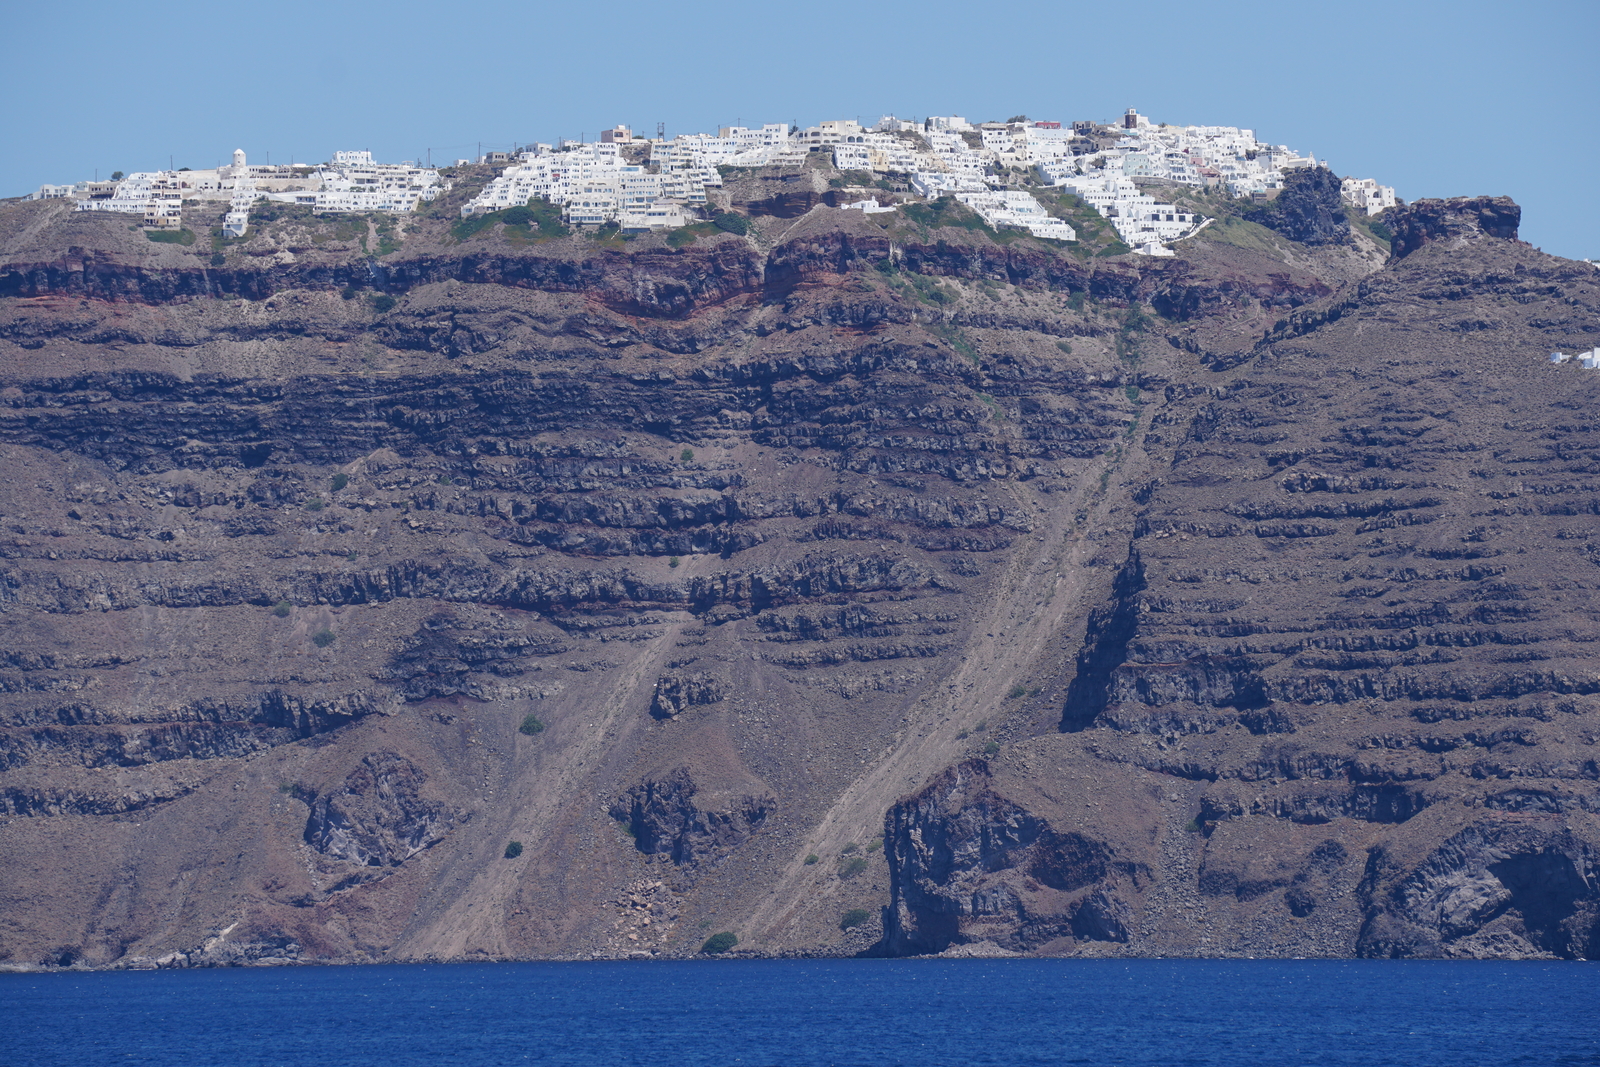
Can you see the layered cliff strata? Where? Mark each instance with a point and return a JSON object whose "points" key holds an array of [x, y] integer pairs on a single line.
{"points": [[1213, 605], [1355, 615]]}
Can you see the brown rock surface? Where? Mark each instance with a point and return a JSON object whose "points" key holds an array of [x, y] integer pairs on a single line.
{"points": [[1236, 603]]}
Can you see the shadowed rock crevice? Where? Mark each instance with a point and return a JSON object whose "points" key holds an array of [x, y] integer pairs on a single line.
{"points": [[1105, 648]]}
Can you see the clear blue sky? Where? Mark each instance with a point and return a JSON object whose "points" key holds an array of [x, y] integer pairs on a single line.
{"points": [[1434, 98]]}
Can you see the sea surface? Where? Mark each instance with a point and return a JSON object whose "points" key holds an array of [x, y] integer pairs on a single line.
{"points": [[869, 1012]]}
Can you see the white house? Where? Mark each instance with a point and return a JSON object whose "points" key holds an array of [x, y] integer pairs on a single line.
{"points": [[1367, 194]]}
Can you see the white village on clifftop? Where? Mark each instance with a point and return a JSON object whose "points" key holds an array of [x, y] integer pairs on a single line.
{"points": [[639, 184]]}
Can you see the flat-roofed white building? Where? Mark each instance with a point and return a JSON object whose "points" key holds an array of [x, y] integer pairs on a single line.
{"points": [[659, 215], [1367, 194], [1018, 210]]}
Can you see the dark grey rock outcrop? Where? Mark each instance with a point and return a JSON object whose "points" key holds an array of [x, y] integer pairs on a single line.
{"points": [[674, 818], [378, 816]]}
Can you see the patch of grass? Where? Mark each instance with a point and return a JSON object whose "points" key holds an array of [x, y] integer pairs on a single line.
{"points": [[322, 638], [315, 504], [1371, 225], [853, 918], [673, 561], [952, 336], [388, 236], [1241, 233], [851, 847], [1129, 341], [382, 303], [1096, 235], [1064, 346], [947, 211], [340, 480], [183, 237], [264, 211], [996, 412], [531, 726], [610, 235], [732, 222], [686, 456], [468, 228], [991, 748], [543, 216], [1017, 690], [282, 609], [852, 867], [684, 236], [931, 290], [547, 217], [1193, 827], [513, 850], [537, 218], [875, 845], [717, 944], [812, 860]]}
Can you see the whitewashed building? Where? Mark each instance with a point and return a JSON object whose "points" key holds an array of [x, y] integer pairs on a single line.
{"points": [[1368, 195], [352, 181], [1018, 210]]}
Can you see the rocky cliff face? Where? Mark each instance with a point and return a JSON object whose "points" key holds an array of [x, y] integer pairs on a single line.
{"points": [[1310, 209], [1034, 602]]}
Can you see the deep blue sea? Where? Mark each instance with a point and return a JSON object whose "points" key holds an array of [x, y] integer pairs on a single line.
{"points": [[870, 1012]]}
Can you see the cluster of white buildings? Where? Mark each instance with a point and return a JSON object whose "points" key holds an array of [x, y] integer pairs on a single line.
{"points": [[350, 182], [978, 164], [657, 183], [1017, 210], [353, 182], [594, 184], [1367, 194]]}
